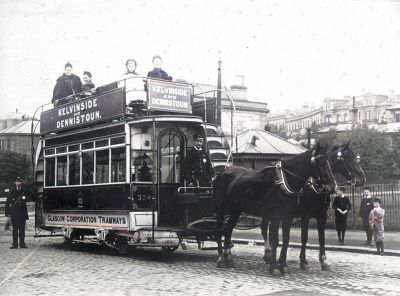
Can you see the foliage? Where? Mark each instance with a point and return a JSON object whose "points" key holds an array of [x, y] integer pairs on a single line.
{"points": [[379, 152], [14, 165]]}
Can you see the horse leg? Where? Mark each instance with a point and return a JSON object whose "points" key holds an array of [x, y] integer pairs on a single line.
{"points": [[321, 225], [273, 241], [233, 219], [286, 223], [304, 239], [218, 238], [267, 247]]}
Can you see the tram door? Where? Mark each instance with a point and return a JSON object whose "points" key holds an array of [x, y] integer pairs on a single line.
{"points": [[171, 147]]}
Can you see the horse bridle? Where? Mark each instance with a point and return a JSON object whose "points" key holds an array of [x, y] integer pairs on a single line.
{"points": [[339, 156]]}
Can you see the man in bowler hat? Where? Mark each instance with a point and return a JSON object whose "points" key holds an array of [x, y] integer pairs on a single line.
{"points": [[17, 210], [198, 167]]}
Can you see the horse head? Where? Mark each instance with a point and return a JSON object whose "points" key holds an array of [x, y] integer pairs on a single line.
{"points": [[322, 168], [345, 166]]}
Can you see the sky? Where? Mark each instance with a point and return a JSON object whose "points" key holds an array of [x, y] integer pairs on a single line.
{"points": [[290, 52]]}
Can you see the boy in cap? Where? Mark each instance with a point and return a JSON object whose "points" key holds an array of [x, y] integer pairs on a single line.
{"points": [[198, 168], [376, 221], [17, 210]]}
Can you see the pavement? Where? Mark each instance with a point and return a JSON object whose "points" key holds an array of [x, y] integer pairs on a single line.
{"points": [[354, 240]]}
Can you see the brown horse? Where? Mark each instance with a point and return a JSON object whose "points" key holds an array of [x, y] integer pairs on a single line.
{"points": [[314, 203], [259, 192]]}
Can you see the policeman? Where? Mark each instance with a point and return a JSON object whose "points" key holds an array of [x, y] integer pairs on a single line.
{"points": [[198, 168], [16, 208]]}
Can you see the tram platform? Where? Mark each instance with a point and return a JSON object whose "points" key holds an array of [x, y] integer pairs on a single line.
{"points": [[354, 240]]}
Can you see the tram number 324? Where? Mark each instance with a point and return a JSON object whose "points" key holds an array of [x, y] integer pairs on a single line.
{"points": [[144, 197]]}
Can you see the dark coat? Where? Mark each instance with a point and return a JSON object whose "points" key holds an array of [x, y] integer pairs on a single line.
{"points": [[66, 86], [198, 167], [159, 74], [88, 86], [366, 207], [16, 204], [342, 203]]}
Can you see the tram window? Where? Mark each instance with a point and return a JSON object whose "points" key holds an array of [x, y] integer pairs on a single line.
{"points": [[49, 151], [87, 167], [102, 143], [50, 169], [88, 145], [116, 141], [142, 166], [61, 149], [74, 169], [61, 170], [118, 157], [170, 149], [73, 148], [102, 166]]}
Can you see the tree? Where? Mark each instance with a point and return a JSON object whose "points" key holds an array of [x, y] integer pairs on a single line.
{"points": [[378, 151], [14, 165]]}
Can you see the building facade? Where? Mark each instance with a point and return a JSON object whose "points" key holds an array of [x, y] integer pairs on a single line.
{"points": [[340, 114]]}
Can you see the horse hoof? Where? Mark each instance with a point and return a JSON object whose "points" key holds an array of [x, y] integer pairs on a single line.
{"points": [[325, 267], [221, 264], [282, 269], [267, 259], [229, 264], [304, 265]]}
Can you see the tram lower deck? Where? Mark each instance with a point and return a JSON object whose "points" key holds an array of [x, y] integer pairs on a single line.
{"points": [[121, 181]]}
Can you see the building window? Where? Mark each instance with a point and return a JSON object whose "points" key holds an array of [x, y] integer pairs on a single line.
{"points": [[397, 117], [327, 118]]}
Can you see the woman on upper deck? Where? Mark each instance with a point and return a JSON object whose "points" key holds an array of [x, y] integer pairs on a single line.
{"points": [[157, 72], [66, 85], [88, 85]]}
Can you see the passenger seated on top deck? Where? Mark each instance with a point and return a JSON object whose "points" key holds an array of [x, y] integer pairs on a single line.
{"points": [[88, 86], [132, 82], [68, 84], [157, 72]]}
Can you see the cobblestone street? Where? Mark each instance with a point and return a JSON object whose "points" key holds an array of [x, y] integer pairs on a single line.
{"points": [[49, 267]]}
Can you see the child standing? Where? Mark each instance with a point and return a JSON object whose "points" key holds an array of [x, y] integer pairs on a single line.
{"points": [[376, 221]]}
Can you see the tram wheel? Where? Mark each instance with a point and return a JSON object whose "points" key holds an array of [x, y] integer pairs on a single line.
{"points": [[169, 250]]}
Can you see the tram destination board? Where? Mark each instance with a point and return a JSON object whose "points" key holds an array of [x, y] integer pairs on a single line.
{"points": [[83, 112], [169, 96]]}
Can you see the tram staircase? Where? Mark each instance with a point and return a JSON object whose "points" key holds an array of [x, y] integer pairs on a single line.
{"points": [[218, 146]]}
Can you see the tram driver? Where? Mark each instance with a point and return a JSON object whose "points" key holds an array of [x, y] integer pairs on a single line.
{"points": [[198, 167]]}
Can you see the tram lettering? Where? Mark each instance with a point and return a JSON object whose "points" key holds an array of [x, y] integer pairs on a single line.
{"points": [[169, 103], [112, 220], [88, 104], [169, 90], [55, 218], [82, 219], [78, 119]]}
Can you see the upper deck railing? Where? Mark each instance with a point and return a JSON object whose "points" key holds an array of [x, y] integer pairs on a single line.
{"points": [[134, 96]]}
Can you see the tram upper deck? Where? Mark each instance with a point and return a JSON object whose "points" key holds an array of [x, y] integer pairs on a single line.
{"points": [[118, 101]]}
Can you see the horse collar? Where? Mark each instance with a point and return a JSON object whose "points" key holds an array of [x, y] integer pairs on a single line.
{"points": [[282, 182]]}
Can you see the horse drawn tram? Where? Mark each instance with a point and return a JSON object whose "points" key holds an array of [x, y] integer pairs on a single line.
{"points": [[112, 171]]}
